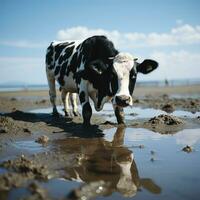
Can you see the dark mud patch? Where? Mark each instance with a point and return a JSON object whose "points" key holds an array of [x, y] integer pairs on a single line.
{"points": [[50, 124], [169, 104], [42, 139], [36, 192], [165, 124], [27, 167], [165, 119], [169, 108], [9, 125], [187, 149], [20, 172]]}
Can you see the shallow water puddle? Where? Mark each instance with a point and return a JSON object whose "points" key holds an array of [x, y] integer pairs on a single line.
{"points": [[133, 162], [130, 113], [2, 170], [136, 162], [30, 146], [60, 187]]}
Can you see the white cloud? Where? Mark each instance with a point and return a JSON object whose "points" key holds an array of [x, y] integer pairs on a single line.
{"points": [[180, 35], [82, 32], [22, 44], [176, 65]]}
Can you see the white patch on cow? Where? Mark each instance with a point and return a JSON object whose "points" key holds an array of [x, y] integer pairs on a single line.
{"points": [[123, 63], [56, 42], [92, 93], [70, 84]]}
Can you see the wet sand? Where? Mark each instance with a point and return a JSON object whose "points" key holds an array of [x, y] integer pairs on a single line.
{"points": [[39, 151]]}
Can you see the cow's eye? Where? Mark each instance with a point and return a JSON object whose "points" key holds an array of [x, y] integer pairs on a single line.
{"points": [[132, 74]]}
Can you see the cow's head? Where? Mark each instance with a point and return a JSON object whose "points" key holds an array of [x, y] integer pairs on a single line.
{"points": [[123, 77], [115, 78]]}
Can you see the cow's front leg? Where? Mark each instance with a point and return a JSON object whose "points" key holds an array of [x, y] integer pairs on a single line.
{"points": [[86, 113], [119, 113], [84, 100]]}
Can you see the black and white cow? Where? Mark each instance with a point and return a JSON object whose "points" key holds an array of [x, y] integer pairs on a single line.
{"points": [[94, 69]]}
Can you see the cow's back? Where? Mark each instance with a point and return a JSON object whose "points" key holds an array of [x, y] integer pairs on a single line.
{"points": [[62, 61]]}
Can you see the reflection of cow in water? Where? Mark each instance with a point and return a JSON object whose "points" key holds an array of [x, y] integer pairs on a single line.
{"points": [[97, 159]]}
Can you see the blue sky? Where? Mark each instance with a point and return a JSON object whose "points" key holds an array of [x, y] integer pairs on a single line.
{"points": [[168, 31]]}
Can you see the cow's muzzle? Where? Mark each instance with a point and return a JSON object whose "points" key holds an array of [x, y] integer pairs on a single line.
{"points": [[123, 100]]}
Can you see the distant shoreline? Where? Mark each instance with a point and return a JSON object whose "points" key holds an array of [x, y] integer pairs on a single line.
{"points": [[192, 91], [169, 83]]}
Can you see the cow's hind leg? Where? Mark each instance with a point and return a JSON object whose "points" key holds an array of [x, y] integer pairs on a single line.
{"points": [[52, 93], [73, 98], [65, 100]]}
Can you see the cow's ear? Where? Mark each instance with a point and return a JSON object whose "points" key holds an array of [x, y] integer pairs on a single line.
{"points": [[147, 66], [149, 185]]}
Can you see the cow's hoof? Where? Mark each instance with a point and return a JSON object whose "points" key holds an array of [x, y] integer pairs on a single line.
{"points": [[76, 114], [122, 124], [67, 114], [86, 125]]}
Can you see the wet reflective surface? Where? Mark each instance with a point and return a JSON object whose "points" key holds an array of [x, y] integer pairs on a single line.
{"points": [[29, 145], [130, 113], [127, 162], [136, 162]]}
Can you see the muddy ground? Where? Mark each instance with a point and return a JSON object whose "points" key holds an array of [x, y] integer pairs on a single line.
{"points": [[22, 169]]}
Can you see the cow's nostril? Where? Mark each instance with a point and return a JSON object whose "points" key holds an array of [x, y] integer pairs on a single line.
{"points": [[123, 100]]}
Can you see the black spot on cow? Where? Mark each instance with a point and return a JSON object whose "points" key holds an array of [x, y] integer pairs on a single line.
{"points": [[98, 47], [57, 70], [79, 46], [73, 64], [60, 60], [49, 56], [112, 79], [78, 64], [62, 74], [59, 48], [82, 97], [132, 80], [68, 52]]}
